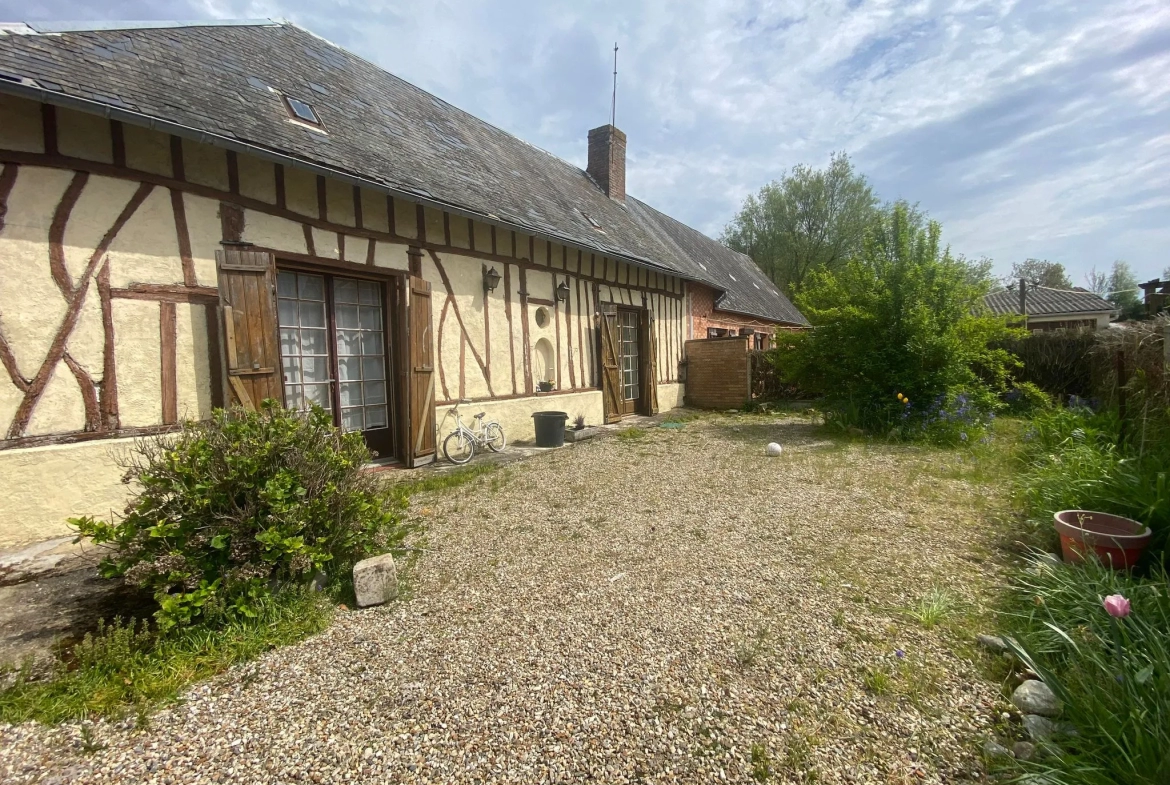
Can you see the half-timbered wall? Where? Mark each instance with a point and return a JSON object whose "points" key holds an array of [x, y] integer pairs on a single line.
{"points": [[108, 322]]}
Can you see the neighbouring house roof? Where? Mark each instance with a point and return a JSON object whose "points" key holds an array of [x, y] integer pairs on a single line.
{"points": [[1042, 301], [223, 83]]}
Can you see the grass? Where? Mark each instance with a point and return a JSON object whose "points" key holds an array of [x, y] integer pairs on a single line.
{"points": [[749, 649], [127, 666], [877, 682], [1112, 675], [632, 434], [441, 481], [933, 608], [761, 763]]}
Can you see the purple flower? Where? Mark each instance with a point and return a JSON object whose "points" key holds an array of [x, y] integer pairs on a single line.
{"points": [[899, 654]]}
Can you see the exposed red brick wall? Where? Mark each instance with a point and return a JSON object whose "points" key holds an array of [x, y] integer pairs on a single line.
{"points": [[718, 373], [704, 316], [607, 160]]}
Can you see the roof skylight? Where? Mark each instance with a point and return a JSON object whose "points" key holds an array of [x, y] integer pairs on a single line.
{"points": [[301, 111]]}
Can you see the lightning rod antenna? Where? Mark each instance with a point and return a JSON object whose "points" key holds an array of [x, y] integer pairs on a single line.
{"points": [[613, 106]]}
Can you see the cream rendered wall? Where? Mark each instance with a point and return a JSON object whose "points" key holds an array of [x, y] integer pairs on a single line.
{"points": [[44, 486], [515, 415]]}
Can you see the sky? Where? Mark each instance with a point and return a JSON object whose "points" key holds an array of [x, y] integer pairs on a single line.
{"points": [[1028, 128]]}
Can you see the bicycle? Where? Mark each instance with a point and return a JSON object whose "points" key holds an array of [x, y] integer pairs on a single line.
{"points": [[460, 444]]}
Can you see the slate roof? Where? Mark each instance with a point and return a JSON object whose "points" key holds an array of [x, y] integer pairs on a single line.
{"points": [[1043, 301], [227, 80]]}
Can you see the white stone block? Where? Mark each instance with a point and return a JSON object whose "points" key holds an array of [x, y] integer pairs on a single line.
{"points": [[375, 580]]}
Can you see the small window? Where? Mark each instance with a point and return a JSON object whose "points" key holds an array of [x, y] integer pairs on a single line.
{"points": [[301, 111]]}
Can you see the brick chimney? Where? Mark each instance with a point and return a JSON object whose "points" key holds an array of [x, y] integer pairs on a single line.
{"points": [[607, 160]]}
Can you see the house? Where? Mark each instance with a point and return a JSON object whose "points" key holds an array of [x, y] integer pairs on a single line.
{"points": [[1054, 309], [1156, 293], [197, 215]]}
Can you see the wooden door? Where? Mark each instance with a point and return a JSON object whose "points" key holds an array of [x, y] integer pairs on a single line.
{"points": [[420, 395], [247, 296], [630, 355], [649, 364], [611, 380]]}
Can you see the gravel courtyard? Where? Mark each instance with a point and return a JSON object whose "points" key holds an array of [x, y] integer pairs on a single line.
{"points": [[672, 607]]}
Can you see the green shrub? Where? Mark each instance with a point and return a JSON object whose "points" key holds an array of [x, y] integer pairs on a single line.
{"points": [[901, 318], [232, 507], [1025, 399], [1112, 675]]}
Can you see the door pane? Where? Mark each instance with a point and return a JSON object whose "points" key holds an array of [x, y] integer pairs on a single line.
{"points": [[349, 368], [304, 352], [345, 290], [351, 419], [349, 343], [375, 417], [351, 394], [313, 342], [361, 354], [375, 392], [630, 361], [311, 287]]}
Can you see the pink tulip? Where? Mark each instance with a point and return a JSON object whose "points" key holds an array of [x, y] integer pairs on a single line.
{"points": [[1117, 606]]}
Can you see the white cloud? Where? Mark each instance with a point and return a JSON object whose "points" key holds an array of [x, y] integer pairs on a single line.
{"points": [[1028, 128]]}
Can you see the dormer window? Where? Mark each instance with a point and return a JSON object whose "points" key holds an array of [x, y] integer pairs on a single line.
{"points": [[301, 111]]}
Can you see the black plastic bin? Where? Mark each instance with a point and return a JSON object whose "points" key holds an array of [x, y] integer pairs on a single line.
{"points": [[550, 428]]}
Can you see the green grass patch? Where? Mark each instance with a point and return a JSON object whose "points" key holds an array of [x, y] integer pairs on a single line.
{"points": [[632, 434], [126, 667], [934, 607], [441, 481]]}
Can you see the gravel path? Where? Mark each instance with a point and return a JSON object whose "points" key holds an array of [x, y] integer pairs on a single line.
{"points": [[674, 608]]}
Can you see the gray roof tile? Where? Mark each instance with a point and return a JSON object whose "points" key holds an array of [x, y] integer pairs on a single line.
{"points": [[1042, 301], [380, 128]]}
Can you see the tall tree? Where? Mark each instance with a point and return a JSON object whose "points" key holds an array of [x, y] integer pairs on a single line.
{"points": [[1124, 291], [1041, 272], [1097, 283], [902, 316], [809, 219]]}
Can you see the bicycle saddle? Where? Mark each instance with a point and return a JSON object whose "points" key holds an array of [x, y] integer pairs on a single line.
{"points": [[480, 415]]}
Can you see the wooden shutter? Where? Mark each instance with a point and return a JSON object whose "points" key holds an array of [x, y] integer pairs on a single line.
{"points": [[611, 378], [649, 370], [247, 297], [419, 352]]}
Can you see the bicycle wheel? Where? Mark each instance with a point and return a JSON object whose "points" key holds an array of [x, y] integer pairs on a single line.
{"points": [[458, 447], [493, 437]]}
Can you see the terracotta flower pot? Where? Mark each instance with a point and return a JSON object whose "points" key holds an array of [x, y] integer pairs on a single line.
{"points": [[1117, 541]]}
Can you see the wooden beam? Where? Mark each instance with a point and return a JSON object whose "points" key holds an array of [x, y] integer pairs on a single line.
{"points": [[168, 349]]}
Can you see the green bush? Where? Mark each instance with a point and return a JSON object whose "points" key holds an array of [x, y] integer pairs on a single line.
{"points": [[235, 506], [1025, 399], [901, 322], [1112, 675]]}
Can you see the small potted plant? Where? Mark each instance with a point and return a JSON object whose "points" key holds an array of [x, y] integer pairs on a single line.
{"points": [[579, 423], [544, 386]]}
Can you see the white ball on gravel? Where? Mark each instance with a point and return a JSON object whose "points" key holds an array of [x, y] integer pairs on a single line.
{"points": [[773, 450]]}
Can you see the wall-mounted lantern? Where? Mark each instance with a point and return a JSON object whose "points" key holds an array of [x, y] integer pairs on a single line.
{"points": [[491, 279], [563, 291]]}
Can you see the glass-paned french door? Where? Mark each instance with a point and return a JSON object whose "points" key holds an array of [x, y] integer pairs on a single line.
{"points": [[630, 359], [333, 350]]}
